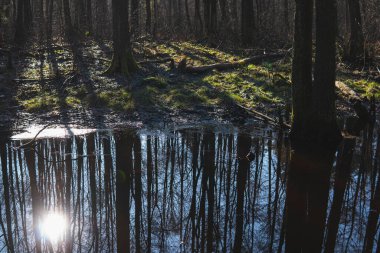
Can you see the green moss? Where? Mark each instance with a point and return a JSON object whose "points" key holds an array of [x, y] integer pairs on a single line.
{"points": [[236, 98], [73, 101], [44, 102], [164, 49], [206, 92], [118, 99], [241, 86], [182, 98], [364, 88]]}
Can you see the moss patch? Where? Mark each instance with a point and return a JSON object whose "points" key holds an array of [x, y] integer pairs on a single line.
{"points": [[364, 88], [44, 102], [118, 99]]}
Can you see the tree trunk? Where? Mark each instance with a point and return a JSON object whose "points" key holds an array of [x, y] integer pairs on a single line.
{"points": [[89, 16], [356, 43], [301, 69], [324, 109], [210, 17], [124, 166], [373, 218], [123, 60], [148, 17], [315, 134], [7, 198], [243, 148], [247, 22], [135, 18], [20, 29], [197, 17], [67, 17], [209, 168], [342, 174], [138, 190]]}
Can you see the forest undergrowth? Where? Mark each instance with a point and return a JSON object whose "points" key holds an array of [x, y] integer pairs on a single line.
{"points": [[65, 82]]}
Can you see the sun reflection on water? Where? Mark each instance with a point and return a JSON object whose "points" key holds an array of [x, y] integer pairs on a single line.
{"points": [[53, 227]]}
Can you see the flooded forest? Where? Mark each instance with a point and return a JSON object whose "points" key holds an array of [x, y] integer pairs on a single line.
{"points": [[186, 190], [189, 126]]}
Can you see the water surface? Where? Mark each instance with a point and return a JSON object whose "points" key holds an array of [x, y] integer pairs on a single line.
{"points": [[184, 190]]}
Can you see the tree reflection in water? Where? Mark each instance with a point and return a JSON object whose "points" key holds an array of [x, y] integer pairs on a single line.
{"points": [[189, 190]]}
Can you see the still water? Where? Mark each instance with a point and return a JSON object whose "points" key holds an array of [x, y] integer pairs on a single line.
{"points": [[201, 189]]}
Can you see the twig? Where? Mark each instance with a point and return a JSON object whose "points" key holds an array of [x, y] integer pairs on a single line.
{"points": [[156, 61], [264, 117], [33, 80], [34, 138], [69, 79]]}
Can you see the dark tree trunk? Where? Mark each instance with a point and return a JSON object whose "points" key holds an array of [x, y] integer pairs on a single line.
{"points": [[210, 17], [188, 14], [155, 13], [101, 18], [148, 17], [373, 218], [124, 167], [243, 148], [149, 194], [67, 17], [138, 190], [315, 134], [135, 18], [247, 22], [295, 221], [210, 172], [123, 60], [28, 15], [7, 197], [286, 18], [36, 197], [301, 69], [356, 43], [324, 109], [198, 18], [342, 174], [20, 29], [94, 196], [89, 15]]}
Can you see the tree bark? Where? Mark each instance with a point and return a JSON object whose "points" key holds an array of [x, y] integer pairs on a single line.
{"points": [[356, 43], [124, 165], [123, 60], [148, 17], [243, 148], [247, 22], [301, 69], [67, 17]]}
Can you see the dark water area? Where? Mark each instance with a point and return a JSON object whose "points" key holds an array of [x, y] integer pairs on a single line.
{"points": [[200, 189]]}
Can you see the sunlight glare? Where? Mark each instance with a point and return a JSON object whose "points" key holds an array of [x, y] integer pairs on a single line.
{"points": [[53, 227]]}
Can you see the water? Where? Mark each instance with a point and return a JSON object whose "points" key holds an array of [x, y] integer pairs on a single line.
{"points": [[178, 190]]}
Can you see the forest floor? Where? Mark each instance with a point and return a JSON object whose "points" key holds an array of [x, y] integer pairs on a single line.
{"points": [[64, 83]]}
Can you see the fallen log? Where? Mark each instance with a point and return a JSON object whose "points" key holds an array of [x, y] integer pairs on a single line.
{"points": [[229, 65]]}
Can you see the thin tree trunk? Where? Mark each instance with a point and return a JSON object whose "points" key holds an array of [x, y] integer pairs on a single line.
{"points": [[243, 148], [124, 166]]}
